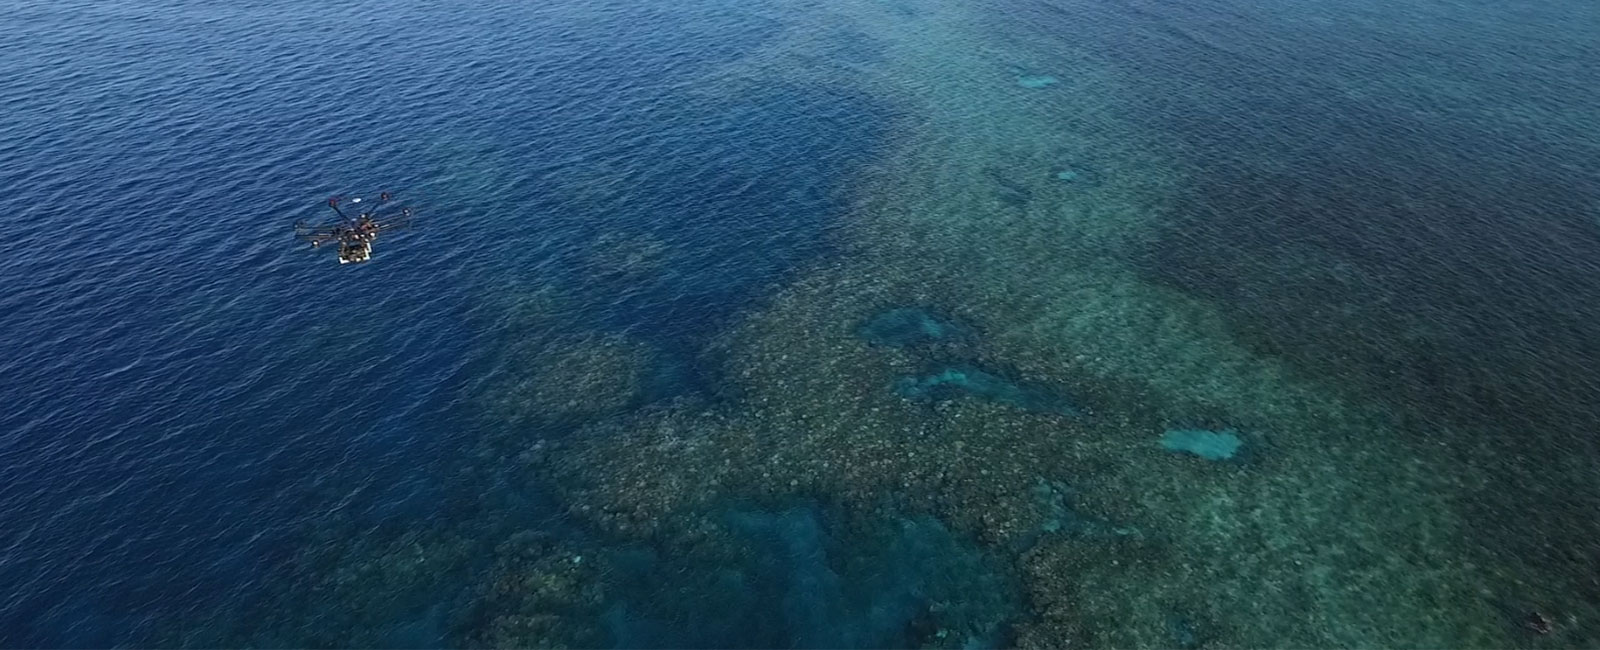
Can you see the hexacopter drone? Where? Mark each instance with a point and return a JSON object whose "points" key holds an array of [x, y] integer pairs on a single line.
{"points": [[355, 234]]}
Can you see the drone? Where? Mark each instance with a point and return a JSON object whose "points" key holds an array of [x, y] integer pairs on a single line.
{"points": [[355, 235]]}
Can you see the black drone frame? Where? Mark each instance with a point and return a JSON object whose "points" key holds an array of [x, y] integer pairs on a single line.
{"points": [[358, 229]]}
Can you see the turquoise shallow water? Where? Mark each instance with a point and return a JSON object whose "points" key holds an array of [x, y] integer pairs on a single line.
{"points": [[837, 325]]}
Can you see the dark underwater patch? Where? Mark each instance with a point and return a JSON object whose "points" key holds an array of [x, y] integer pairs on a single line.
{"points": [[1008, 190], [910, 326], [1181, 630], [795, 578], [962, 380]]}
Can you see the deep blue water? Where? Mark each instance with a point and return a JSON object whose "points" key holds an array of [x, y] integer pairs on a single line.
{"points": [[184, 384]]}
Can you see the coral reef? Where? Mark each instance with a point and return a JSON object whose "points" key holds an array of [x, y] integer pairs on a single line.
{"points": [[539, 594], [571, 378], [1331, 542], [462, 583], [793, 573], [1065, 519], [382, 588]]}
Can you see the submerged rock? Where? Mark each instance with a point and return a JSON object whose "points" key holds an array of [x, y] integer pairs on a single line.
{"points": [[907, 326], [1219, 445], [1036, 80], [961, 380]]}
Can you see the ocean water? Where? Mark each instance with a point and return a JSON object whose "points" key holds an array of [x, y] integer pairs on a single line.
{"points": [[636, 377]]}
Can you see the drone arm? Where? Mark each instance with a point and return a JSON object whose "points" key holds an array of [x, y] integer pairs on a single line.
{"points": [[399, 223], [316, 234]]}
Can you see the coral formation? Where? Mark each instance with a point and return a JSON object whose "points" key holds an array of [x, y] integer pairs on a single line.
{"points": [[571, 378], [539, 594], [1063, 518]]}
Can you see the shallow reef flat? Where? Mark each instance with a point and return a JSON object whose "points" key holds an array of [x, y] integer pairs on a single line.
{"points": [[1304, 523], [1339, 531], [547, 373]]}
